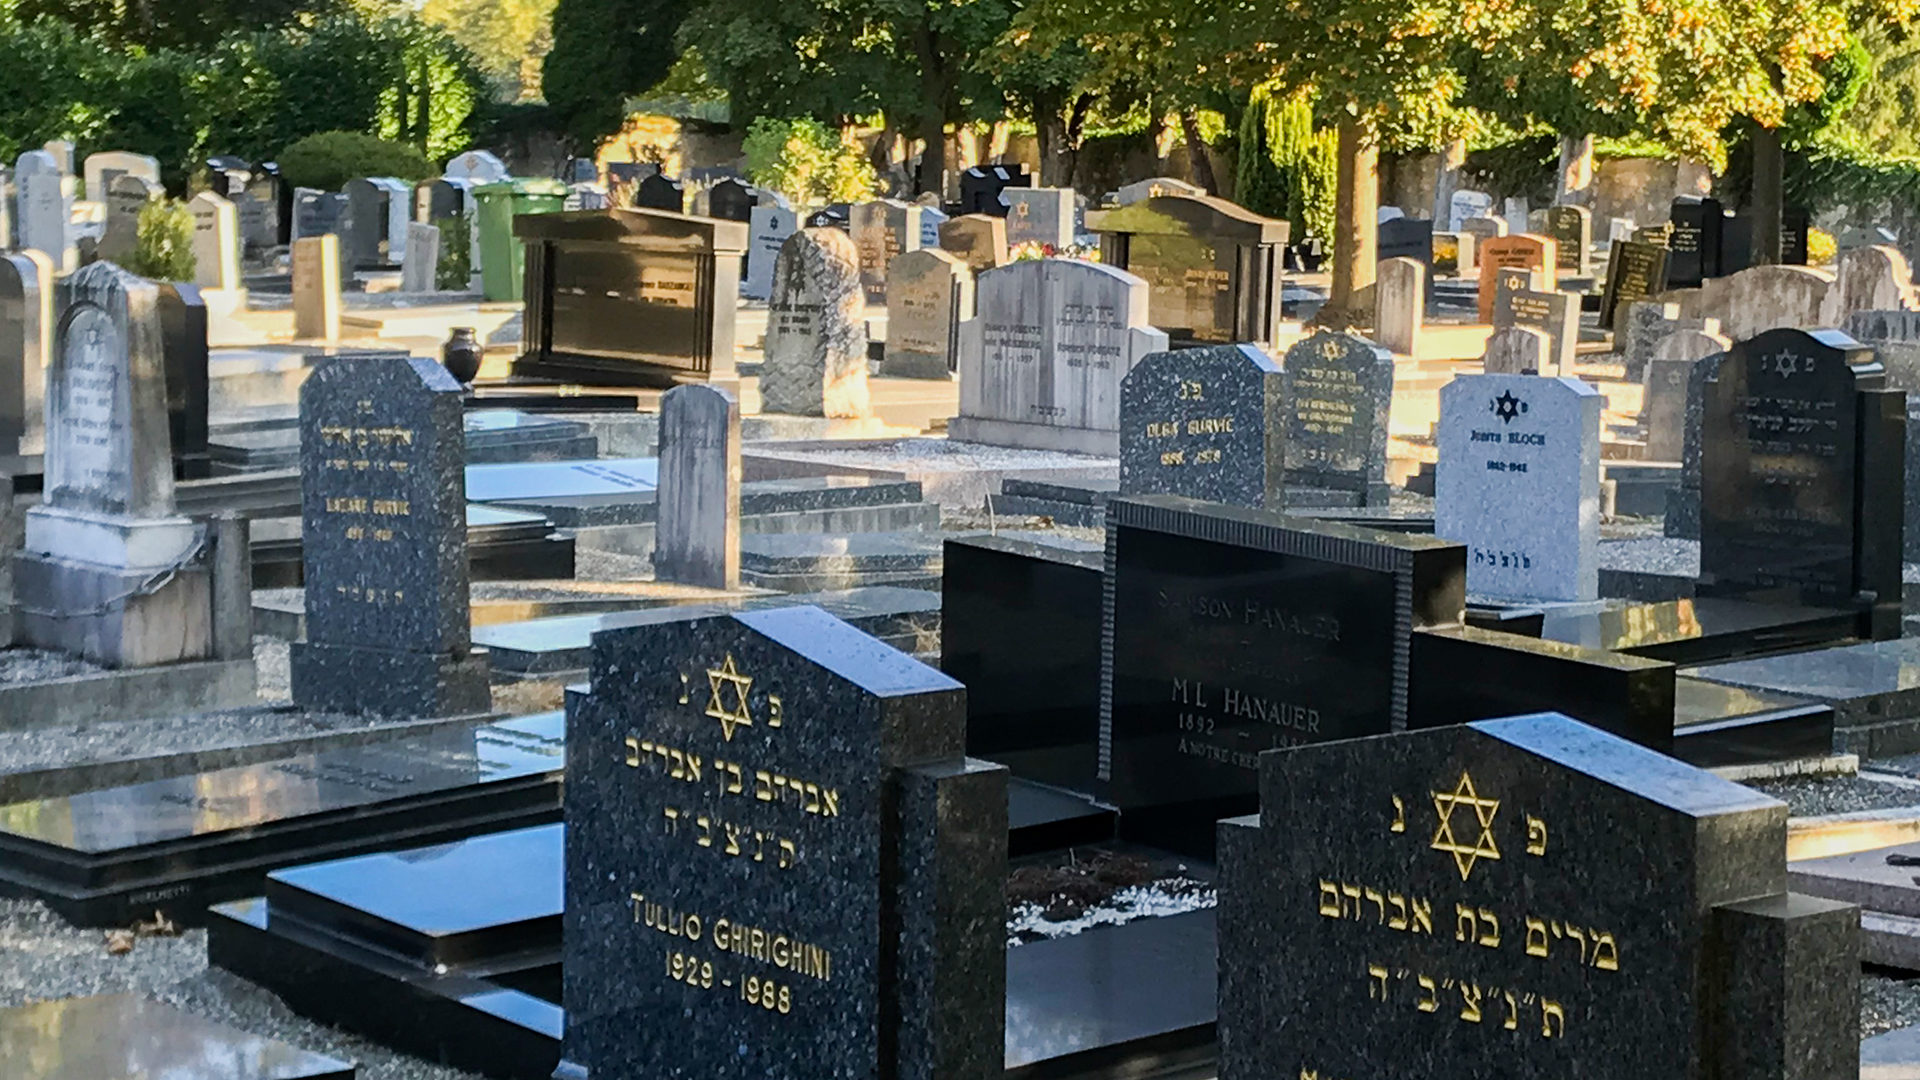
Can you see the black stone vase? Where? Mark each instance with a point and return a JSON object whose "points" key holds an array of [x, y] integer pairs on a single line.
{"points": [[461, 354]]}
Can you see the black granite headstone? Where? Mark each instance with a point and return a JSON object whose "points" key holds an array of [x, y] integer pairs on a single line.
{"points": [[383, 516], [1794, 223], [1635, 271], [183, 346], [980, 187], [1233, 631], [1528, 897], [1572, 230], [317, 213], [1338, 392], [438, 200], [1736, 244], [1408, 238], [1020, 627], [732, 200], [1694, 241], [660, 192], [1212, 268], [1801, 476], [1204, 423], [773, 832], [836, 216]]}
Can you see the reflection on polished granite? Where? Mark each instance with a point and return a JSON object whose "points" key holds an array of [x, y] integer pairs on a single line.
{"points": [[1852, 671], [1696, 630], [123, 1037], [1133, 989]]}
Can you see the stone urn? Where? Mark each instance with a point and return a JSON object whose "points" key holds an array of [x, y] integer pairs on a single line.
{"points": [[461, 354]]}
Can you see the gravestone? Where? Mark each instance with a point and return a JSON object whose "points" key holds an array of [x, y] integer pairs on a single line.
{"points": [[478, 167], [699, 495], [376, 216], [586, 197], [1515, 350], [26, 345], [1385, 214], [1571, 228], [1483, 893], [929, 292], [1042, 216], [275, 196], [8, 195], [1875, 278], [1520, 250], [1152, 188], [1213, 269], [732, 200], [216, 242], [1635, 272], [99, 170], [1663, 409], [318, 213], [980, 240], [126, 196], [1338, 394], [931, 218], [437, 200], [420, 270], [836, 216], [1233, 631], [1794, 225], [1482, 229], [1465, 205], [816, 353], [1802, 460], [1693, 241], [1204, 423], [829, 890], [1519, 484], [1643, 323], [1452, 257], [316, 288], [1518, 213], [1555, 314], [1736, 244], [1408, 238], [658, 191], [1041, 364], [982, 187], [109, 570], [383, 539], [882, 229], [183, 314], [767, 230], [1400, 305]]}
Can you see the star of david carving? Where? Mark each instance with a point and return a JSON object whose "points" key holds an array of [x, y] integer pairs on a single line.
{"points": [[728, 675], [1786, 364], [1507, 407], [1483, 847]]}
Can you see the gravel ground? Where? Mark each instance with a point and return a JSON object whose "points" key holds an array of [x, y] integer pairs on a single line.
{"points": [[1887, 1002], [36, 665], [44, 959], [1808, 796]]}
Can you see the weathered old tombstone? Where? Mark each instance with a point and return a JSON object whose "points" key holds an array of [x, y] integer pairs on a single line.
{"points": [[1212, 268], [980, 240], [767, 230], [1555, 314], [1519, 485], [1339, 397], [837, 897], [216, 242], [1875, 278], [99, 170], [377, 211], [26, 345], [882, 229], [1760, 298], [1571, 228], [929, 293], [126, 195], [1642, 326], [1233, 631], [1042, 216], [816, 352], [1520, 250], [383, 539], [1664, 402], [420, 269], [1515, 350], [698, 534], [1801, 470], [316, 288], [1483, 892], [45, 198], [1204, 423], [1635, 272], [1694, 240], [107, 530], [1041, 364], [1400, 305]]}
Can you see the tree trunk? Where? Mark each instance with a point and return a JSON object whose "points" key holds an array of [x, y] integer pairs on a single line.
{"points": [[1076, 136], [1356, 221], [1446, 181], [1199, 165], [1769, 180], [936, 88], [1050, 137], [1575, 184]]}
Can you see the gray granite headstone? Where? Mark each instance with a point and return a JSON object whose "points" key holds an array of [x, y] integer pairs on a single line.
{"points": [[1663, 408], [1514, 350], [1042, 216], [1400, 304], [1041, 364], [127, 195], [26, 343], [1339, 397], [1519, 484], [377, 210], [882, 229], [1206, 423], [383, 524], [928, 293], [420, 268], [1554, 314], [772, 827], [318, 213], [816, 352], [1520, 898], [698, 541], [1481, 229], [979, 239], [767, 230]]}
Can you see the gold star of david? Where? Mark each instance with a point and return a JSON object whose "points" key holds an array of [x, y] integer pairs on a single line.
{"points": [[1483, 809], [738, 716]]}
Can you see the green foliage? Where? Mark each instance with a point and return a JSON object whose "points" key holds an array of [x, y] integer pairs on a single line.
{"points": [[807, 162], [456, 255], [328, 160], [1886, 113], [605, 51], [508, 39], [1833, 174], [1257, 184], [176, 24], [1286, 168], [163, 248]]}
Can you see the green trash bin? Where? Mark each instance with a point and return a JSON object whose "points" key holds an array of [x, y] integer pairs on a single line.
{"points": [[502, 255]]}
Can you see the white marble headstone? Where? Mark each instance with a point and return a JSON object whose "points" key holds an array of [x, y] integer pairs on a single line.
{"points": [[216, 242], [1467, 204], [767, 229], [478, 166], [420, 269], [45, 195]]}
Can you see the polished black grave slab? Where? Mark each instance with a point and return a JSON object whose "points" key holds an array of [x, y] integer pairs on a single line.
{"points": [[108, 856], [1872, 687], [1699, 630], [125, 1037]]}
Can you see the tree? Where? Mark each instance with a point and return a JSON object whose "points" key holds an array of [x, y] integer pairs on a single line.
{"points": [[1055, 86], [604, 51], [508, 39], [195, 24]]}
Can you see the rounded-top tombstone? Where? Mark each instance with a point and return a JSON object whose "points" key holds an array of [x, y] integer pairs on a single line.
{"points": [[1204, 423], [816, 352]]}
